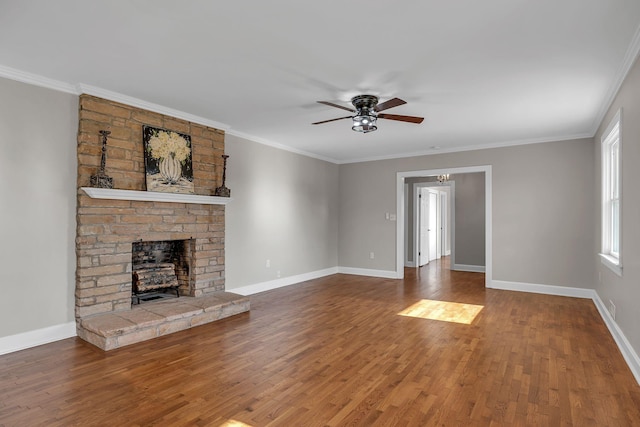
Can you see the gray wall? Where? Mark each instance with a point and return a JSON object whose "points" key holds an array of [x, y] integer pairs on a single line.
{"points": [[38, 170], [542, 208], [469, 219], [284, 209], [623, 291]]}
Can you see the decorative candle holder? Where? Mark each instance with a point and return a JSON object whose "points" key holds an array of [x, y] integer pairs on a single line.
{"points": [[223, 191], [101, 179]]}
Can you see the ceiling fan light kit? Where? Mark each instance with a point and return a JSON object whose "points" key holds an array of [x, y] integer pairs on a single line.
{"points": [[366, 109], [364, 124]]}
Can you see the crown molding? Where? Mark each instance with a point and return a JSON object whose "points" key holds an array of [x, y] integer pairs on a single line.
{"points": [[280, 146], [36, 80], [81, 88], [629, 59], [149, 106], [445, 150]]}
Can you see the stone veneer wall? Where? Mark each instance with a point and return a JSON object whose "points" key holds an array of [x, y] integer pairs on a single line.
{"points": [[107, 228]]}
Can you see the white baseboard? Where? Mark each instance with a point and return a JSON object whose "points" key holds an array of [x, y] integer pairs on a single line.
{"points": [[629, 354], [471, 268], [38, 337], [385, 274], [282, 282], [542, 289], [292, 280], [409, 264]]}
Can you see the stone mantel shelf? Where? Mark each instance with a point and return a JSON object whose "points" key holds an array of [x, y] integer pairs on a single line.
{"points": [[153, 196]]}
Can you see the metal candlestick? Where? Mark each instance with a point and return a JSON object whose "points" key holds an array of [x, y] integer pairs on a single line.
{"points": [[223, 191], [101, 179]]}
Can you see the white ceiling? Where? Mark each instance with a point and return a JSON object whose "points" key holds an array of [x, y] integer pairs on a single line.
{"points": [[482, 73]]}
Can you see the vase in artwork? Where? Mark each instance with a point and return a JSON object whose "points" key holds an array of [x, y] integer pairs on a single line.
{"points": [[170, 169]]}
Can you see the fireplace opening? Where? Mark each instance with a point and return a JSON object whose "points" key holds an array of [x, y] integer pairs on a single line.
{"points": [[160, 269]]}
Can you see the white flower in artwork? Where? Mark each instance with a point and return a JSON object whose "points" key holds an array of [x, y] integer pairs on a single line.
{"points": [[167, 144]]}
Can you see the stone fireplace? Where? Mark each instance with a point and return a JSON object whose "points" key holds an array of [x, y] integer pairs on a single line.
{"points": [[112, 223]]}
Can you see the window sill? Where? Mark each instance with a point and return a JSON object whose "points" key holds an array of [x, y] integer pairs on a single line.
{"points": [[611, 263]]}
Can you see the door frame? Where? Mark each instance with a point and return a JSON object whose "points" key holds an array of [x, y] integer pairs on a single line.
{"points": [[400, 214]]}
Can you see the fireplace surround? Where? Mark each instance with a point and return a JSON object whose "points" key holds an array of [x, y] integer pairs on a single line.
{"points": [[109, 222]]}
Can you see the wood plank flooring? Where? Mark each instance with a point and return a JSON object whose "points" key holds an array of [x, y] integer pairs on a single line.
{"points": [[335, 352]]}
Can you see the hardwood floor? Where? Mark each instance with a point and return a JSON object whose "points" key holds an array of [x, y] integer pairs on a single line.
{"points": [[335, 352]]}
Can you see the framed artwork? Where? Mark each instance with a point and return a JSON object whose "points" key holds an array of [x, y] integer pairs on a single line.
{"points": [[167, 160]]}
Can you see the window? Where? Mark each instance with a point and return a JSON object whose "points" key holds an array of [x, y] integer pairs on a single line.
{"points": [[611, 141]]}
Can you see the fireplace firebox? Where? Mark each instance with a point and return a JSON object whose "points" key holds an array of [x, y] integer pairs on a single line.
{"points": [[159, 267]]}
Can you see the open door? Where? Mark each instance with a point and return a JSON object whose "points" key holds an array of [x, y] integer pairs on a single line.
{"points": [[423, 244], [434, 227]]}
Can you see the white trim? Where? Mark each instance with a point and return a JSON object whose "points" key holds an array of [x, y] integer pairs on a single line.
{"points": [[471, 268], [445, 150], [279, 146], [80, 88], [139, 103], [629, 59], [36, 80], [400, 177], [407, 263], [385, 274], [611, 263], [38, 337], [153, 196], [629, 354], [282, 282], [149, 106], [607, 141], [563, 291]]}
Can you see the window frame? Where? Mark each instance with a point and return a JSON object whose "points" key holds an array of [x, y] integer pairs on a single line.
{"points": [[611, 173]]}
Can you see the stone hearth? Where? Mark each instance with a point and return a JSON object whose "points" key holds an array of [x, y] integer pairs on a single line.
{"points": [[154, 319]]}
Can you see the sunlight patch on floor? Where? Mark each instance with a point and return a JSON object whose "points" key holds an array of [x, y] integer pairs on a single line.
{"points": [[443, 310], [234, 423]]}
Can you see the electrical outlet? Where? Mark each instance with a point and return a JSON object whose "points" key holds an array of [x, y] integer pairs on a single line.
{"points": [[371, 255], [612, 309], [268, 263], [278, 274]]}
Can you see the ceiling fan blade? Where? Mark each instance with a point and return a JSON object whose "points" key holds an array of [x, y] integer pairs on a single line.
{"points": [[410, 119], [332, 120], [331, 104], [394, 102]]}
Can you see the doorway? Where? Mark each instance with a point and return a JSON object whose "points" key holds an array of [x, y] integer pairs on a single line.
{"points": [[400, 209]]}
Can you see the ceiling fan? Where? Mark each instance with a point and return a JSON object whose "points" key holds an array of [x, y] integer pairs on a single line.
{"points": [[366, 112]]}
